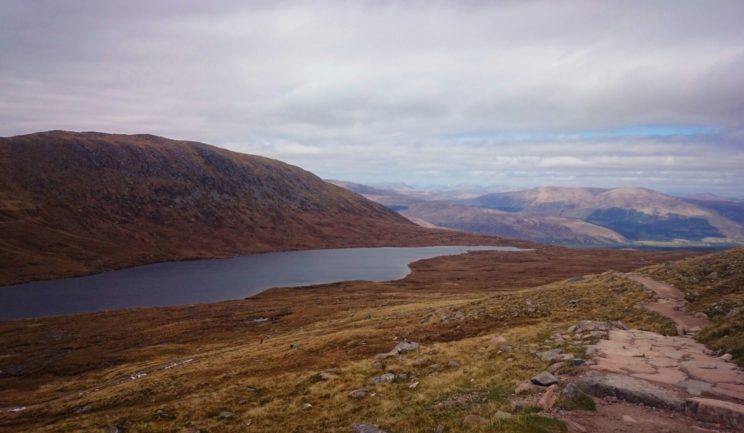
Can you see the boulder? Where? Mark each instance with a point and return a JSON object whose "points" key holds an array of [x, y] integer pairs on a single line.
{"points": [[570, 391], [326, 376], [226, 415], [716, 411], [553, 369], [552, 355], [405, 347], [631, 389], [383, 378], [544, 379]]}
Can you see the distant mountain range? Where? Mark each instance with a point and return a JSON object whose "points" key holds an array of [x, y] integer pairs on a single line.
{"points": [[577, 216], [74, 203]]}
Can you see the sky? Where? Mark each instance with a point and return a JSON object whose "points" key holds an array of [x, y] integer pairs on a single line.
{"points": [[512, 93]]}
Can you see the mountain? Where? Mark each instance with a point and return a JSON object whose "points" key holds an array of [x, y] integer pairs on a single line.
{"points": [[74, 203], [638, 214], [540, 228], [575, 216], [731, 209]]}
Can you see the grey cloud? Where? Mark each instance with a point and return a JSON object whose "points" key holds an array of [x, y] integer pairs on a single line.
{"points": [[408, 90]]}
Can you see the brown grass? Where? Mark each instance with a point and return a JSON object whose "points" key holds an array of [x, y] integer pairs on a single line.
{"points": [[74, 372]]}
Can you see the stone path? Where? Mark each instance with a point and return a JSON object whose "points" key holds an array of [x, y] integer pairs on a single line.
{"points": [[674, 373], [670, 303]]}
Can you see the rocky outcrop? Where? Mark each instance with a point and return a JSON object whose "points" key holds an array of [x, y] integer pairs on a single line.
{"points": [[631, 389]]}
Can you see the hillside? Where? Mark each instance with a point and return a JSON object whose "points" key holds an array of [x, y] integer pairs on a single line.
{"points": [[289, 358], [75, 203], [714, 286]]}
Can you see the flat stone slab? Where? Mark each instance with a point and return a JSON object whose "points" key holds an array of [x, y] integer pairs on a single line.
{"points": [[719, 391], [695, 387], [631, 389], [712, 372], [669, 376], [717, 411]]}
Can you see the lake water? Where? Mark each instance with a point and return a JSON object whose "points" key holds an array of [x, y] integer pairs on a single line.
{"points": [[202, 281]]}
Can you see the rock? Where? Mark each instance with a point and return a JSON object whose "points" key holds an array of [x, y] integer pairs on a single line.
{"points": [[499, 415], [593, 325], [712, 276], [358, 393], [439, 429], [548, 399], [114, 429], [630, 389], [405, 347], [452, 363], [627, 419], [577, 362], [695, 387], [307, 406], [165, 415], [732, 313], [326, 376], [717, 411], [421, 362], [475, 420], [552, 355], [553, 369], [84, 409], [366, 428], [544, 379], [294, 345], [383, 378], [378, 365], [399, 349], [727, 357], [226, 415], [525, 387], [701, 315], [570, 391]]}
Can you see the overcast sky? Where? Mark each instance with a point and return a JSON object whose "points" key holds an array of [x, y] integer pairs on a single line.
{"points": [[518, 93]]}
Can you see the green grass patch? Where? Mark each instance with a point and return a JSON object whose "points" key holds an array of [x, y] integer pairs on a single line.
{"points": [[580, 402]]}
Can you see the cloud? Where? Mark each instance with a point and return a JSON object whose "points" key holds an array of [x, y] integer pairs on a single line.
{"points": [[445, 91]]}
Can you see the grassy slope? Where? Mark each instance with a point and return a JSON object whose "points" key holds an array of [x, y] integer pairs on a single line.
{"points": [[76, 203], [714, 285], [452, 305]]}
